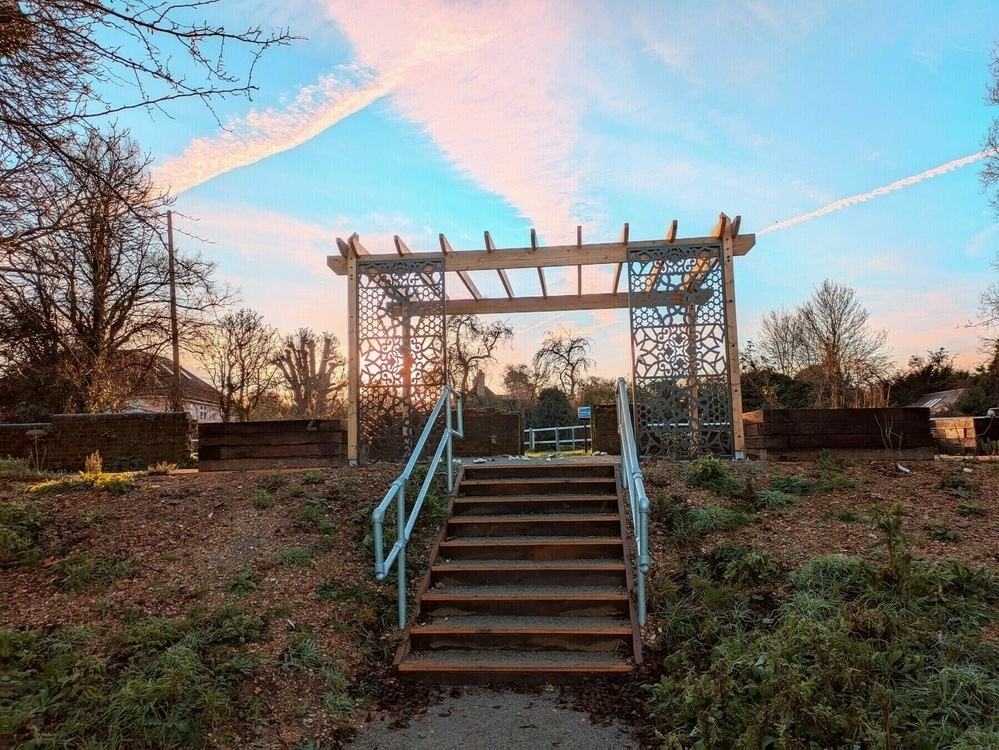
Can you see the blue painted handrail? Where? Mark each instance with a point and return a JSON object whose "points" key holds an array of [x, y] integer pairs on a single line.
{"points": [[637, 497], [397, 492]]}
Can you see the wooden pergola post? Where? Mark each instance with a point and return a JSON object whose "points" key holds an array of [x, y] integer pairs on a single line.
{"points": [[353, 356], [729, 231]]}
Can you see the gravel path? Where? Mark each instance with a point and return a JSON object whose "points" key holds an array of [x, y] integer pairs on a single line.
{"points": [[479, 717]]}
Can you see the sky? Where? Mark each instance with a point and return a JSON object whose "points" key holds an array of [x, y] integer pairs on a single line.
{"points": [[848, 137]]}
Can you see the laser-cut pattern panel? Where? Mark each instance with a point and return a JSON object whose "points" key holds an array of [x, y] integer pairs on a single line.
{"points": [[400, 315], [683, 405]]}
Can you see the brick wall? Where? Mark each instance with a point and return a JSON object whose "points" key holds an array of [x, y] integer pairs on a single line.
{"points": [[287, 443], [780, 434], [66, 441], [603, 426], [490, 432]]}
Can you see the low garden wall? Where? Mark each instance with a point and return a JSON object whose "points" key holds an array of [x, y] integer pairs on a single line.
{"points": [[490, 432], [603, 429], [125, 441], [796, 434], [958, 436], [289, 443]]}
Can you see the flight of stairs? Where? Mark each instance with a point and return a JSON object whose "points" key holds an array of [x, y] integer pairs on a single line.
{"points": [[529, 582]]}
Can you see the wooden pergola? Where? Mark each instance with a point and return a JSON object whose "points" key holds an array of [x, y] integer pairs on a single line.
{"points": [[649, 287]]}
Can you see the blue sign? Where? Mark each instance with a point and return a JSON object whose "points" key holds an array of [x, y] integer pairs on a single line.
{"points": [[584, 412]]}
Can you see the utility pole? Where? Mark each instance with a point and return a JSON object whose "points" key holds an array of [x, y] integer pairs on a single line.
{"points": [[176, 402]]}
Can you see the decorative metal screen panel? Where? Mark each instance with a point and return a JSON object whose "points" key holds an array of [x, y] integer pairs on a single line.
{"points": [[683, 404], [400, 320]]}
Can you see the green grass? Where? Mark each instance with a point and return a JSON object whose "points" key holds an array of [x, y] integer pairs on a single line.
{"points": [[115, 484], [263, 499], [941, 531], [158, 682], [770, 499], [301, 652], [840, 653], [312, 477], [22, 530], [85, 572], [296, 557]]}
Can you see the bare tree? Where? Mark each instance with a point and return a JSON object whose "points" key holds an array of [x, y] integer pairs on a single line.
{"points": [[519, 383], [471, 344], [238, 356], [71, 64], [317, 380], [830, 343], [562, 361], [781, 344], [90, 295]]}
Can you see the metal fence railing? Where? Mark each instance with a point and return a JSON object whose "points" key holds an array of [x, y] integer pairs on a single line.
{"points": [[450, 399], [558, 438], [637, 497]]}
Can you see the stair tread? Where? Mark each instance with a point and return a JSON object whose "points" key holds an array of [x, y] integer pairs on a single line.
{"points": [[538, 480], [535, 517], [515, 661], [597, 563], [525, 623], [501, 591], [553, 497], [475, 541]]}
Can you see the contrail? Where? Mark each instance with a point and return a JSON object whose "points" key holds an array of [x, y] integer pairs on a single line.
{"points": [[890, 188]]}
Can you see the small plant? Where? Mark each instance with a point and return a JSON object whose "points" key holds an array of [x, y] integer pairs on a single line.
{"points": [[273, 482], [959, 485], [244, 581], [88, 573], [313, 477], [128, 463], [22, 526], [754, 568], [711, 474], [93, 465], [971, 510], [941, 531], [716, 518], [793, 485], [115, 484], [770, 499], [848, 516], [313, 510], [263, 499], [295, 557], [163, 468], [301, 652]]}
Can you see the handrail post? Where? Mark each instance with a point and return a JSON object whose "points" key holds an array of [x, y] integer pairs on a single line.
{"points": [[401, 560], [450, 450]]}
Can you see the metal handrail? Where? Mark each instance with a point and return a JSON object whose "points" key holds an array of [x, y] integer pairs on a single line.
{"points": [[397, 492], [558, 441], [637, 497]]}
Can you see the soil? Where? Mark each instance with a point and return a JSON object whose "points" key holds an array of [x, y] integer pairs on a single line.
{"points": [[189, 535]]}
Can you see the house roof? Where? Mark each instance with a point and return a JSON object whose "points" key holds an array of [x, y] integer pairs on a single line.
{"points": [[158, 382], [940, 400]]}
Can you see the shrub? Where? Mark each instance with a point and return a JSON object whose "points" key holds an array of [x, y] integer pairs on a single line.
{"points": [[313, 477], [711, 474], [93, 465], [22, 526], [162, 468]]}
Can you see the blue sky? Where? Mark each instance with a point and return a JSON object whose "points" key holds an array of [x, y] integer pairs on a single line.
{"points": [[415, 118]]}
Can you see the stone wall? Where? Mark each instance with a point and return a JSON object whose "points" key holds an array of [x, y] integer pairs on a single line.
{"points": [[123, 440], [795, 434], [490, 432]]}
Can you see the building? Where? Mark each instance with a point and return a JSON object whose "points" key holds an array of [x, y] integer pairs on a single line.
{"points": [[199, 399]]}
